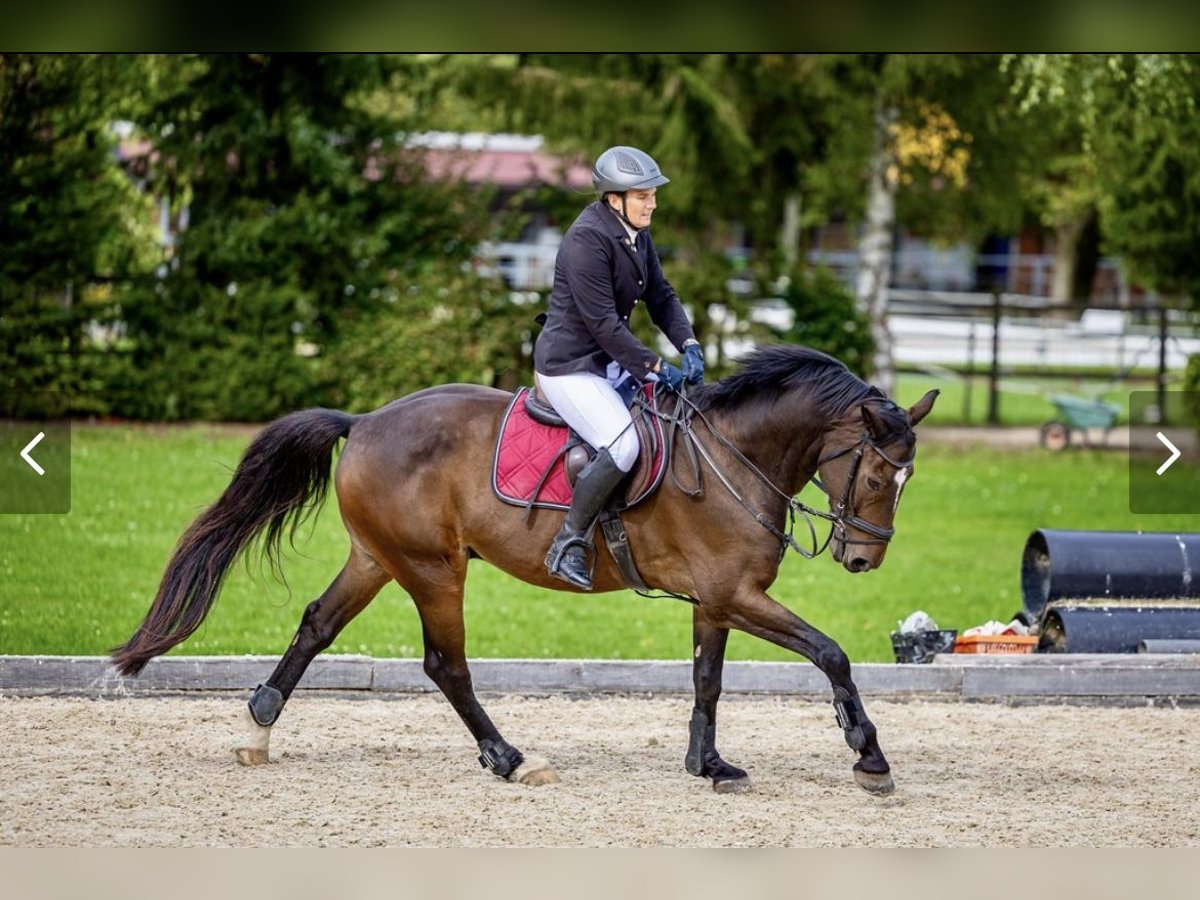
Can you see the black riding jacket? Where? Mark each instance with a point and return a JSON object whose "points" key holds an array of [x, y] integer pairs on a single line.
{"points": [[599, 277]]}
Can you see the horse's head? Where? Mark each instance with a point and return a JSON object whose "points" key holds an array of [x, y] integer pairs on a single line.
{"points": [[867, 460]]}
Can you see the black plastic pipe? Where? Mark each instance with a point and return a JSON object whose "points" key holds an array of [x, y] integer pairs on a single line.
{"points": [[1115, 629], [1064, 565]]}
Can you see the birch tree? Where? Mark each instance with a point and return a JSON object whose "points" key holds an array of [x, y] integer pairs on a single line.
{"points": [[1138, 150]]}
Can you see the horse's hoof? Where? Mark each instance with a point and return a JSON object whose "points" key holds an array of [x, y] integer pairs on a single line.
{"points": [[534, 772], [733, 785], [255, 742], [251, 756], [878, 783]]}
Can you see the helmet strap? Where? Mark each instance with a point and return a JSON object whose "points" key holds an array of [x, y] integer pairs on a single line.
{"points": [[623, 212]]}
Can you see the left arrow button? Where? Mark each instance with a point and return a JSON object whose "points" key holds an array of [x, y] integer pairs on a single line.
{"points": [[29, 459]]}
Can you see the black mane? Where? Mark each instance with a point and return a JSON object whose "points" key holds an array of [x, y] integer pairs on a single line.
{"points": [[771, 372]]}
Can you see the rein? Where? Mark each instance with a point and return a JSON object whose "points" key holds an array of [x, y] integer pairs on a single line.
{"points": [[843, 514]]}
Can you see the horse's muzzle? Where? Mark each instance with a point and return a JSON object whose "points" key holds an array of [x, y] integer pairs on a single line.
{"points": [[858, 558]]}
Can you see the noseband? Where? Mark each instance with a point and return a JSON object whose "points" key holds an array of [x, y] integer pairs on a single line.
{"points": [[843, 514]]}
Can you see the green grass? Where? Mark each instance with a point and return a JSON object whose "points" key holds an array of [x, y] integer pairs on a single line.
{"points": [[80, 583], [1023, 398]]}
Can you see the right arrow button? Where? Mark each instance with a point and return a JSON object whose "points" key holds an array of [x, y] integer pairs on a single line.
{"points": [[1170, 459]]}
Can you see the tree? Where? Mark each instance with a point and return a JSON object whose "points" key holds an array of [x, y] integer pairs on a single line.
{"points": [[909, 130], [447, 325], [943, 158], [1139, 143], [824, 315], [72, 225], [683, 109], [304, 212]]}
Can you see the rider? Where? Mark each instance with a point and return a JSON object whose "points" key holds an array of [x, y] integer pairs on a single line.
{"points": [[605, 265]]}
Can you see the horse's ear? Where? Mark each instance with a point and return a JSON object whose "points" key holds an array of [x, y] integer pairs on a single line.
{"points": [[922, 407], [877, 426]]}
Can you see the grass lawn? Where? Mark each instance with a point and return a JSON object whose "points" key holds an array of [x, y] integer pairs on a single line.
{"points": [[1023, 398], [80, 583]]}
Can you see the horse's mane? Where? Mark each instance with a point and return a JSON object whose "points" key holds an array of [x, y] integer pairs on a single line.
{"points": [[771, 372]]}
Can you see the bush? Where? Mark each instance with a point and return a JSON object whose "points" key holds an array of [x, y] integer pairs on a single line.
{"points": [[1191, 388], [446, 325], [826, 317]]}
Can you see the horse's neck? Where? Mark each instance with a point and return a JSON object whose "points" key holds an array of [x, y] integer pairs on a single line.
{"points": [[783, 440]]}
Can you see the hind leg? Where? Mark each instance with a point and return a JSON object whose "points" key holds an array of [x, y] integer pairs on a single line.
{"points": [[355, 586], [437, 589]]}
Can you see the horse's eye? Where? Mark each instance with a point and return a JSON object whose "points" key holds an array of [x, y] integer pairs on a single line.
{"points": [[874, 484]]}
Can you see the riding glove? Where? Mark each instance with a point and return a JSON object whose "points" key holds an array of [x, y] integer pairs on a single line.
{"points": [[693, 364], [671, 376]]}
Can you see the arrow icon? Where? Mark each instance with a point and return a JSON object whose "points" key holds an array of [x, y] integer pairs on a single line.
{"points": [[41, 434], [1170, 459]]}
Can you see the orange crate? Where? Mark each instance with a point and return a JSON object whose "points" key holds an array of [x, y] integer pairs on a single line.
{"points": [[995, 643]]}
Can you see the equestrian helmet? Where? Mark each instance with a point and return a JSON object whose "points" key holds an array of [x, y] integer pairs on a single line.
{"points": [[621, 169]]}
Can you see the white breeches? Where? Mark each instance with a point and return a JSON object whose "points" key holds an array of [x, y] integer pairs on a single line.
{"points": [[591, 405]]}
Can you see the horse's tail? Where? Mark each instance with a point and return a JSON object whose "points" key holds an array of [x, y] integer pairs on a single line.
{"points": [[282, 477]]}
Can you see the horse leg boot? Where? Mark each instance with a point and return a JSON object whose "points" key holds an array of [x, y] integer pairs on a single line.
{"points": [[567, 558], [355, 586], [437, 589], [758, 614]]}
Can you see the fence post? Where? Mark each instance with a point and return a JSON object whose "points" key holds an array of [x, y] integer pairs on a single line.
{"points": [[969, 381], [1161, 385], [993, 414]]}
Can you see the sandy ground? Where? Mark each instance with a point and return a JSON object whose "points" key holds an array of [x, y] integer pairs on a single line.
{"points": [[397, 772]]}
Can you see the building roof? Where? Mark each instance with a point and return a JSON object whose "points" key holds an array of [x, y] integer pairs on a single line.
{"points": [[504, 160]]}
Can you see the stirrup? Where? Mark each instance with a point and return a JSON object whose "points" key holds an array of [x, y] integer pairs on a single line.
{"points": [[556, 555]]}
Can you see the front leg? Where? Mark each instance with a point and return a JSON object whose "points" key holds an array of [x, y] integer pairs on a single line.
{"points": [[708, 660], [756, 613]]}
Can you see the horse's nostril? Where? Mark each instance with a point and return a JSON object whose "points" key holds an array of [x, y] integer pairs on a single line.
{"points": [[859, 564]]}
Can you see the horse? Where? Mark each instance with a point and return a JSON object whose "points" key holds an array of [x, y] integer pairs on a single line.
{"points": [[413, 486]]}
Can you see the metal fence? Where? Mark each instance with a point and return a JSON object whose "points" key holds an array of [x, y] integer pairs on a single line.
{"points": [[961, 270], [939, 320], [1013, 331]]}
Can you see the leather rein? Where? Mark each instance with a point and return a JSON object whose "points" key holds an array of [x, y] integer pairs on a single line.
{"points": [[840, 518]]}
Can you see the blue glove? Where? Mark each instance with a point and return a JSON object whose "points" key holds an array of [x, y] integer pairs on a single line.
{"points": [[693, 364], [671, 376]]}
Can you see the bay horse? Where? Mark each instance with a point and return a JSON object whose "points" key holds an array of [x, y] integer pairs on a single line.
{"points": [[413, 487]]}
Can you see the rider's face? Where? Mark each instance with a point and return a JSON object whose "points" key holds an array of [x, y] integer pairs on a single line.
{"points": [[639, 207]]}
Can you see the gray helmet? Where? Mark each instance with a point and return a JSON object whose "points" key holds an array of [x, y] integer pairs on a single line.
{"points": [[620, 169]]}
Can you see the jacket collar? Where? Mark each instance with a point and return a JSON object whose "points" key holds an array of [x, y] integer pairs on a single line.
{"points": [[612, 222], [616, 230]]}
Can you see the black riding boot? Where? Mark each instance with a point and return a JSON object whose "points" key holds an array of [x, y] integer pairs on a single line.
{"points": [[567, 558]]}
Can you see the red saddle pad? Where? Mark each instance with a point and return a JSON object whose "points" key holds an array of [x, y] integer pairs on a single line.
{"points": [[527, 448], [523, 452]]}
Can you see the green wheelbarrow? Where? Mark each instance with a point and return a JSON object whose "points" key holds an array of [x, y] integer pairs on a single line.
{"points": [[1077, 415]]}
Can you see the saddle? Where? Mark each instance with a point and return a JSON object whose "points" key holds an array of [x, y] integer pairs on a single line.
{"points": [[538, 456]]}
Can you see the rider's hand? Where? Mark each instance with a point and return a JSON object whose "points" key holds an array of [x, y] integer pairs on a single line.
{"points": [[671, 376], [693, 363]]}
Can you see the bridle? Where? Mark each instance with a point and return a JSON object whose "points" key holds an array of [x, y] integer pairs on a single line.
{"points": [[843, 511], [841, 517]]}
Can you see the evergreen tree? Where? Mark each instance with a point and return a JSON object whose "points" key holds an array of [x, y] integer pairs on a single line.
{"points": [[73, 227], [301, 217]]}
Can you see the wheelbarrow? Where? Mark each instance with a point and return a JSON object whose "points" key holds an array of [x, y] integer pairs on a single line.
{"points": [[1077, 415]]}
